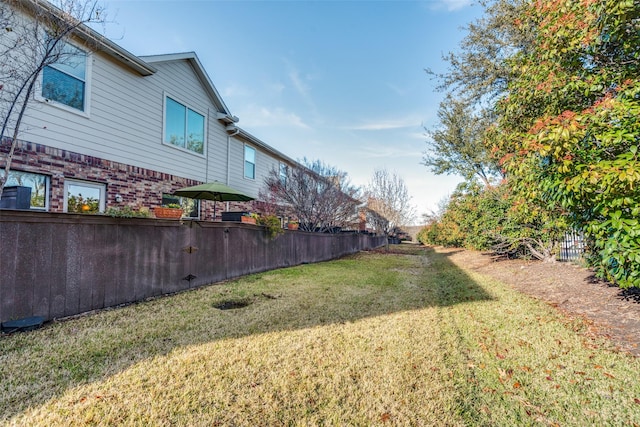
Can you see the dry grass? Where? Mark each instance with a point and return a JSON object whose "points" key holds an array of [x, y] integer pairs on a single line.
{"points": [[372, 339]]}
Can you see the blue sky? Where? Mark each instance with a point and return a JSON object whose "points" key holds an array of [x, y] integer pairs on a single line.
{"points": [[339, 81]]}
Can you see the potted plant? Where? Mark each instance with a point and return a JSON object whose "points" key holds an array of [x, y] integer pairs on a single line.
{"points": [[170, 211], [249, 218], [292, 225], [272, 225]]}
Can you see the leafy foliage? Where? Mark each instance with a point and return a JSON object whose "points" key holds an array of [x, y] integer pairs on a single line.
{"points": [[489, 218], [272, 225], [457, 145], [80, 204], [128, 212], [569, 130], [562, 86], [479, 72]]}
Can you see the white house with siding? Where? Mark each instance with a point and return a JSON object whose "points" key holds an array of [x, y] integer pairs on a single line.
{"points": [[122, 130]]}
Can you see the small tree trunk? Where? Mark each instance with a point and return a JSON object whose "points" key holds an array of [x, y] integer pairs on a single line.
{"points": [[545, 254], [16, 129]]}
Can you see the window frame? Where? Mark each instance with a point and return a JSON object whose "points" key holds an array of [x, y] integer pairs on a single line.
{"points": [[244, 163], [188, 108], [283, 173], [102, 187], [47, 187], [171, 198], [88, 66]]}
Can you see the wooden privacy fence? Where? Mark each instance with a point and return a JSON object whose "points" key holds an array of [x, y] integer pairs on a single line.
{"points": [[57, 265]]}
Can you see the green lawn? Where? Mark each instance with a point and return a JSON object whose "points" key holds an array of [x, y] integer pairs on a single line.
{"points": [[371, 339]]}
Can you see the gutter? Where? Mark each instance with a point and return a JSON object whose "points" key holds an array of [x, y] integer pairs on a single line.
{"points": [[88, 35]]}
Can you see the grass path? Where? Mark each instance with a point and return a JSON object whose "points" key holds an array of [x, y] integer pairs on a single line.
{"points": [[372, 339]]}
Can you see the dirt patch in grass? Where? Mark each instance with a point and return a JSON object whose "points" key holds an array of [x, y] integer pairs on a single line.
{"points": [[611, 312], [232, 304]]}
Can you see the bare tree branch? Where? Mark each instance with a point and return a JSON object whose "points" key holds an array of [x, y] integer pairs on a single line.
{"points": [[388, 196], [320, 195], [35, 36]]}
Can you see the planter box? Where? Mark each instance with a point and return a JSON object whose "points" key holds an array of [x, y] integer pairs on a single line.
{"points": [[233, 216], [247, 219], [167, 213], [238, 217]]}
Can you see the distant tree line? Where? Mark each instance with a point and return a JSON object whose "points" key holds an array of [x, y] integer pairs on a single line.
{"points": [[322, 198]]}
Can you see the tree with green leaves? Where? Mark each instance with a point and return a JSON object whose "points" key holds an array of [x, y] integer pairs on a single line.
{"points": [[478, 78], [457, 144], [486, 218], [569, 130], [479, 72]]}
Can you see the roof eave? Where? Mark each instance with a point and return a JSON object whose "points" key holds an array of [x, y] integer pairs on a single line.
{"points": [[259, 143], [116, 52], [90, 36]]}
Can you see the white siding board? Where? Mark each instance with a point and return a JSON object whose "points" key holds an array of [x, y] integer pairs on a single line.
{"points": [[264, 163], [125, 124], [236, 168], [126, 120], [217, 157]]}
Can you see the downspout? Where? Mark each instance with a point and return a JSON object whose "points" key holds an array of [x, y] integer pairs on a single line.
{"points": [[228, 158], [206, 156], [228, 164], [234, 131]]}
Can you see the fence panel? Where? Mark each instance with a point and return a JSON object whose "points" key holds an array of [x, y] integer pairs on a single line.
{"points": [[55, 265], [572, 246]]}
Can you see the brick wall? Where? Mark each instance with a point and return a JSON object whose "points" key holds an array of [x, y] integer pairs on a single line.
{"points": [[139, 187]]}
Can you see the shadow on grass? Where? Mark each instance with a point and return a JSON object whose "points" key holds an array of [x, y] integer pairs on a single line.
{"points": [[43, 364]]}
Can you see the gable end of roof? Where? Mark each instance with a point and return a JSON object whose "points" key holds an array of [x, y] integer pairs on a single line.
{"points": [[200, 71]]}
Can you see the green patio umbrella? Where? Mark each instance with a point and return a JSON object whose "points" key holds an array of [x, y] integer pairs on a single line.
{"points": [[216, 191]]}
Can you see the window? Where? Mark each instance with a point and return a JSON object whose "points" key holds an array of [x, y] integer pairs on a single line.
{"points": [[249, 162], [65, 81], [191, 207], [284, 172], [183, 127], [39, 185], [83, 197]]}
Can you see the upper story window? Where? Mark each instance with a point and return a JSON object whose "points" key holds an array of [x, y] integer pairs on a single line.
{"points": [[249, 162], [65, 82], [183, 127], [284, 172]]}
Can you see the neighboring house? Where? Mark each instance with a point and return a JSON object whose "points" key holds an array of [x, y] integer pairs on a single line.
{"points": [[110, 129]]}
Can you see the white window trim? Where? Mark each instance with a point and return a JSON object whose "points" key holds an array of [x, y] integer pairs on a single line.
{"points": [[199, 204], [244, 161], [47, 189], [100, 186], [286, 170], [177, 99], [87, 88]]}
